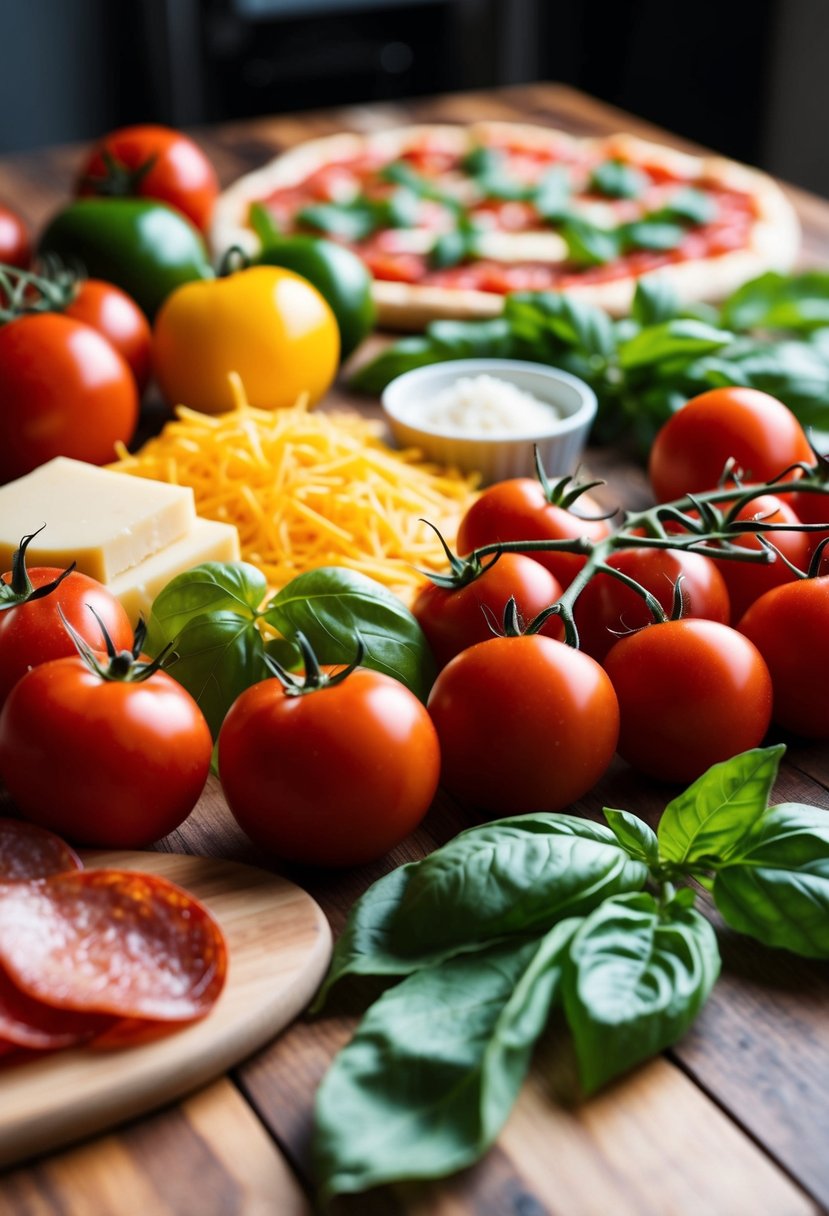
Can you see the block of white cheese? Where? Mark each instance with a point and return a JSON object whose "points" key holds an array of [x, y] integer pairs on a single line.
{"points": [[106, 522], [207, 541]]}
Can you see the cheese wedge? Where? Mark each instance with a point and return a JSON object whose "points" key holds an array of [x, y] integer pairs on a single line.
{"points": [[106, 522], [207, 541]]}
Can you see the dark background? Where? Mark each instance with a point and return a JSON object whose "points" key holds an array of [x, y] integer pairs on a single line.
{"points": [[746, 77]]}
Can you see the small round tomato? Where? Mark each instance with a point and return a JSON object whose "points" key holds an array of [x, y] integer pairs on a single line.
{"points": [[518, 509], [525, 724], [810, 508], [148, 161], [456, 618], [691, 693], [746, 581], [15, 246], [331, 776], [757, 431], [32, 631], [115, 315], [109, 763], [65, 391], [789, 625], [607, 609]]}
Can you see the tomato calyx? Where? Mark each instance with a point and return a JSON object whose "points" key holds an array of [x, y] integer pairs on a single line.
{"points": [[566, 491], [22, 292], [313, 677], [122, 666], [118, 180], [462, 570], [19, 589]]}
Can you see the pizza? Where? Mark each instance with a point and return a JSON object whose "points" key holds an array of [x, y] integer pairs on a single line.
{"points": [[449, 218]]}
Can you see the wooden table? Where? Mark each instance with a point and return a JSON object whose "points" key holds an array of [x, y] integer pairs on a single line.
{"points": [[732, 1122]]}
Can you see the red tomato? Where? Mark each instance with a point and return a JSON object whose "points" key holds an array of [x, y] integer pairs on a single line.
{"points": [[691, 693], [518, 510], [607, 609], [789, 625], [525, 724], [15, 246], [32, 632], [455, 619], [179, 173], [106, 763], [335, 776], [691, 450], [115, 315], [810, 509], [746, 581], [64, 391]]}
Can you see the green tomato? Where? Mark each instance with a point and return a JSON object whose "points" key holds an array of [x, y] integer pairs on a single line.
{"points": [[142, 246], [338, 275]]}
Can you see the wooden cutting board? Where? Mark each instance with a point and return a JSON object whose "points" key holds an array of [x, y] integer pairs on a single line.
{"points": [[279, 945]]}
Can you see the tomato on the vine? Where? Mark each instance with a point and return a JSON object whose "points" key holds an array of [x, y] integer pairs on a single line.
{"points": [[334, 773], [151, 161], [746, 581], [525, 724], [118, 318], [607, 609], [754, 429], [691, 693], [15, 245], [455, 618], [519, 509]]}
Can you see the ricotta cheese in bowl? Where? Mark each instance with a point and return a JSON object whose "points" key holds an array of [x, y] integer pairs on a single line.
{"points": [[487, 416]]}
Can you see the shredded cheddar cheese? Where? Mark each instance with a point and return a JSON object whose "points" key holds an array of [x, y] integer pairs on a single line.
{"points": [[310, 489]]}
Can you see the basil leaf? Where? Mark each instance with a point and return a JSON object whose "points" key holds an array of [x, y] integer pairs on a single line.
{"points": [[333, 606], [795, 372], [637, 977], [551, 195], [652, 233], [776, 887], [402, 356], [450, 248], [572, 321], [655, 300], [348, 221], [681, 337], [220, 654], [588, 244], [399, 210], [617, 179], [482, 161], [470, 339], [263, 224], [498, 185], [711, 817], [429, 1078], [211, 587], [633, 834], [780, 301], [688, 206], [443, 340]]}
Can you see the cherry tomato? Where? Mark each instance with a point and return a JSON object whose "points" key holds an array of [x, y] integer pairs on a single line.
{"points": [[116, 315], [15, 246], [157, 162], [691, 693], [789, 625], [746, 581], [106, 763], [607, 609], [518, 510], [692, 448], [64, 391], [455, 619], [810, 509], [335, 776], [32, 632], [525, 724]]}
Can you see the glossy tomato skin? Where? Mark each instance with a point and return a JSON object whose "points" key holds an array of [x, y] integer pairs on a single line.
{"points": [[333, 777], [691, 450], [607, 610], [453, 620], [747, 581], [119, 319], [789, 625], [811, 509], [104, 763], [65, 391], [15, 246], [180, 174], [518, 510], [525, 724], [32, 633], [691, 693]]}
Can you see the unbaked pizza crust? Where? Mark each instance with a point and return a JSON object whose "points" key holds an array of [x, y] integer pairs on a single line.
{"points": [[774, 240]]}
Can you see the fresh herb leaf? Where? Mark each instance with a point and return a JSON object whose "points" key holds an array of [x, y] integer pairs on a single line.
{"points": [[448, 1049], [443, 340], [571, 321], [482, 161], [634, 835], [688, 206], [617, 179], [348, 221], [588, 244], [451, 248], [680, 337], [651, 233], [637, 977], [552, 194], [777, 301], [211, 587], [655, 300], [263, 224]]}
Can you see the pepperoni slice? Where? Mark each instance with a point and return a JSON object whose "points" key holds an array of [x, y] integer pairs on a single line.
{"points": [[27, 851], [111, 941], [25, 1022]]}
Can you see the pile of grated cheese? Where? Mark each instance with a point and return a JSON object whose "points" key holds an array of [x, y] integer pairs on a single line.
{"points": [[310, 489]]}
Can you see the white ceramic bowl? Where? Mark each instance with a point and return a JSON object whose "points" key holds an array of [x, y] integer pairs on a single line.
{"points": [[495, 456]]}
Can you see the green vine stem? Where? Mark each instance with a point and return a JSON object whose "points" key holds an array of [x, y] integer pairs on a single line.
{"points": [[23, 292]]}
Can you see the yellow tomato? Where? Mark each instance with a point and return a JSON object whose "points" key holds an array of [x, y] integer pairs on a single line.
{"points": [[266, 323]]}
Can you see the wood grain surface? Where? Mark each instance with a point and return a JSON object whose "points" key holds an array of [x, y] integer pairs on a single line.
{"points": [[732, 1121]]}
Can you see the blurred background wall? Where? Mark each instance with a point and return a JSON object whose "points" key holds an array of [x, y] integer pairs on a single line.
{"points": [[746, 77]]}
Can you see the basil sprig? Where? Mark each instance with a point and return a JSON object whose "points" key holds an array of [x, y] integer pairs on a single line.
{"points": [[519, 916]]}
